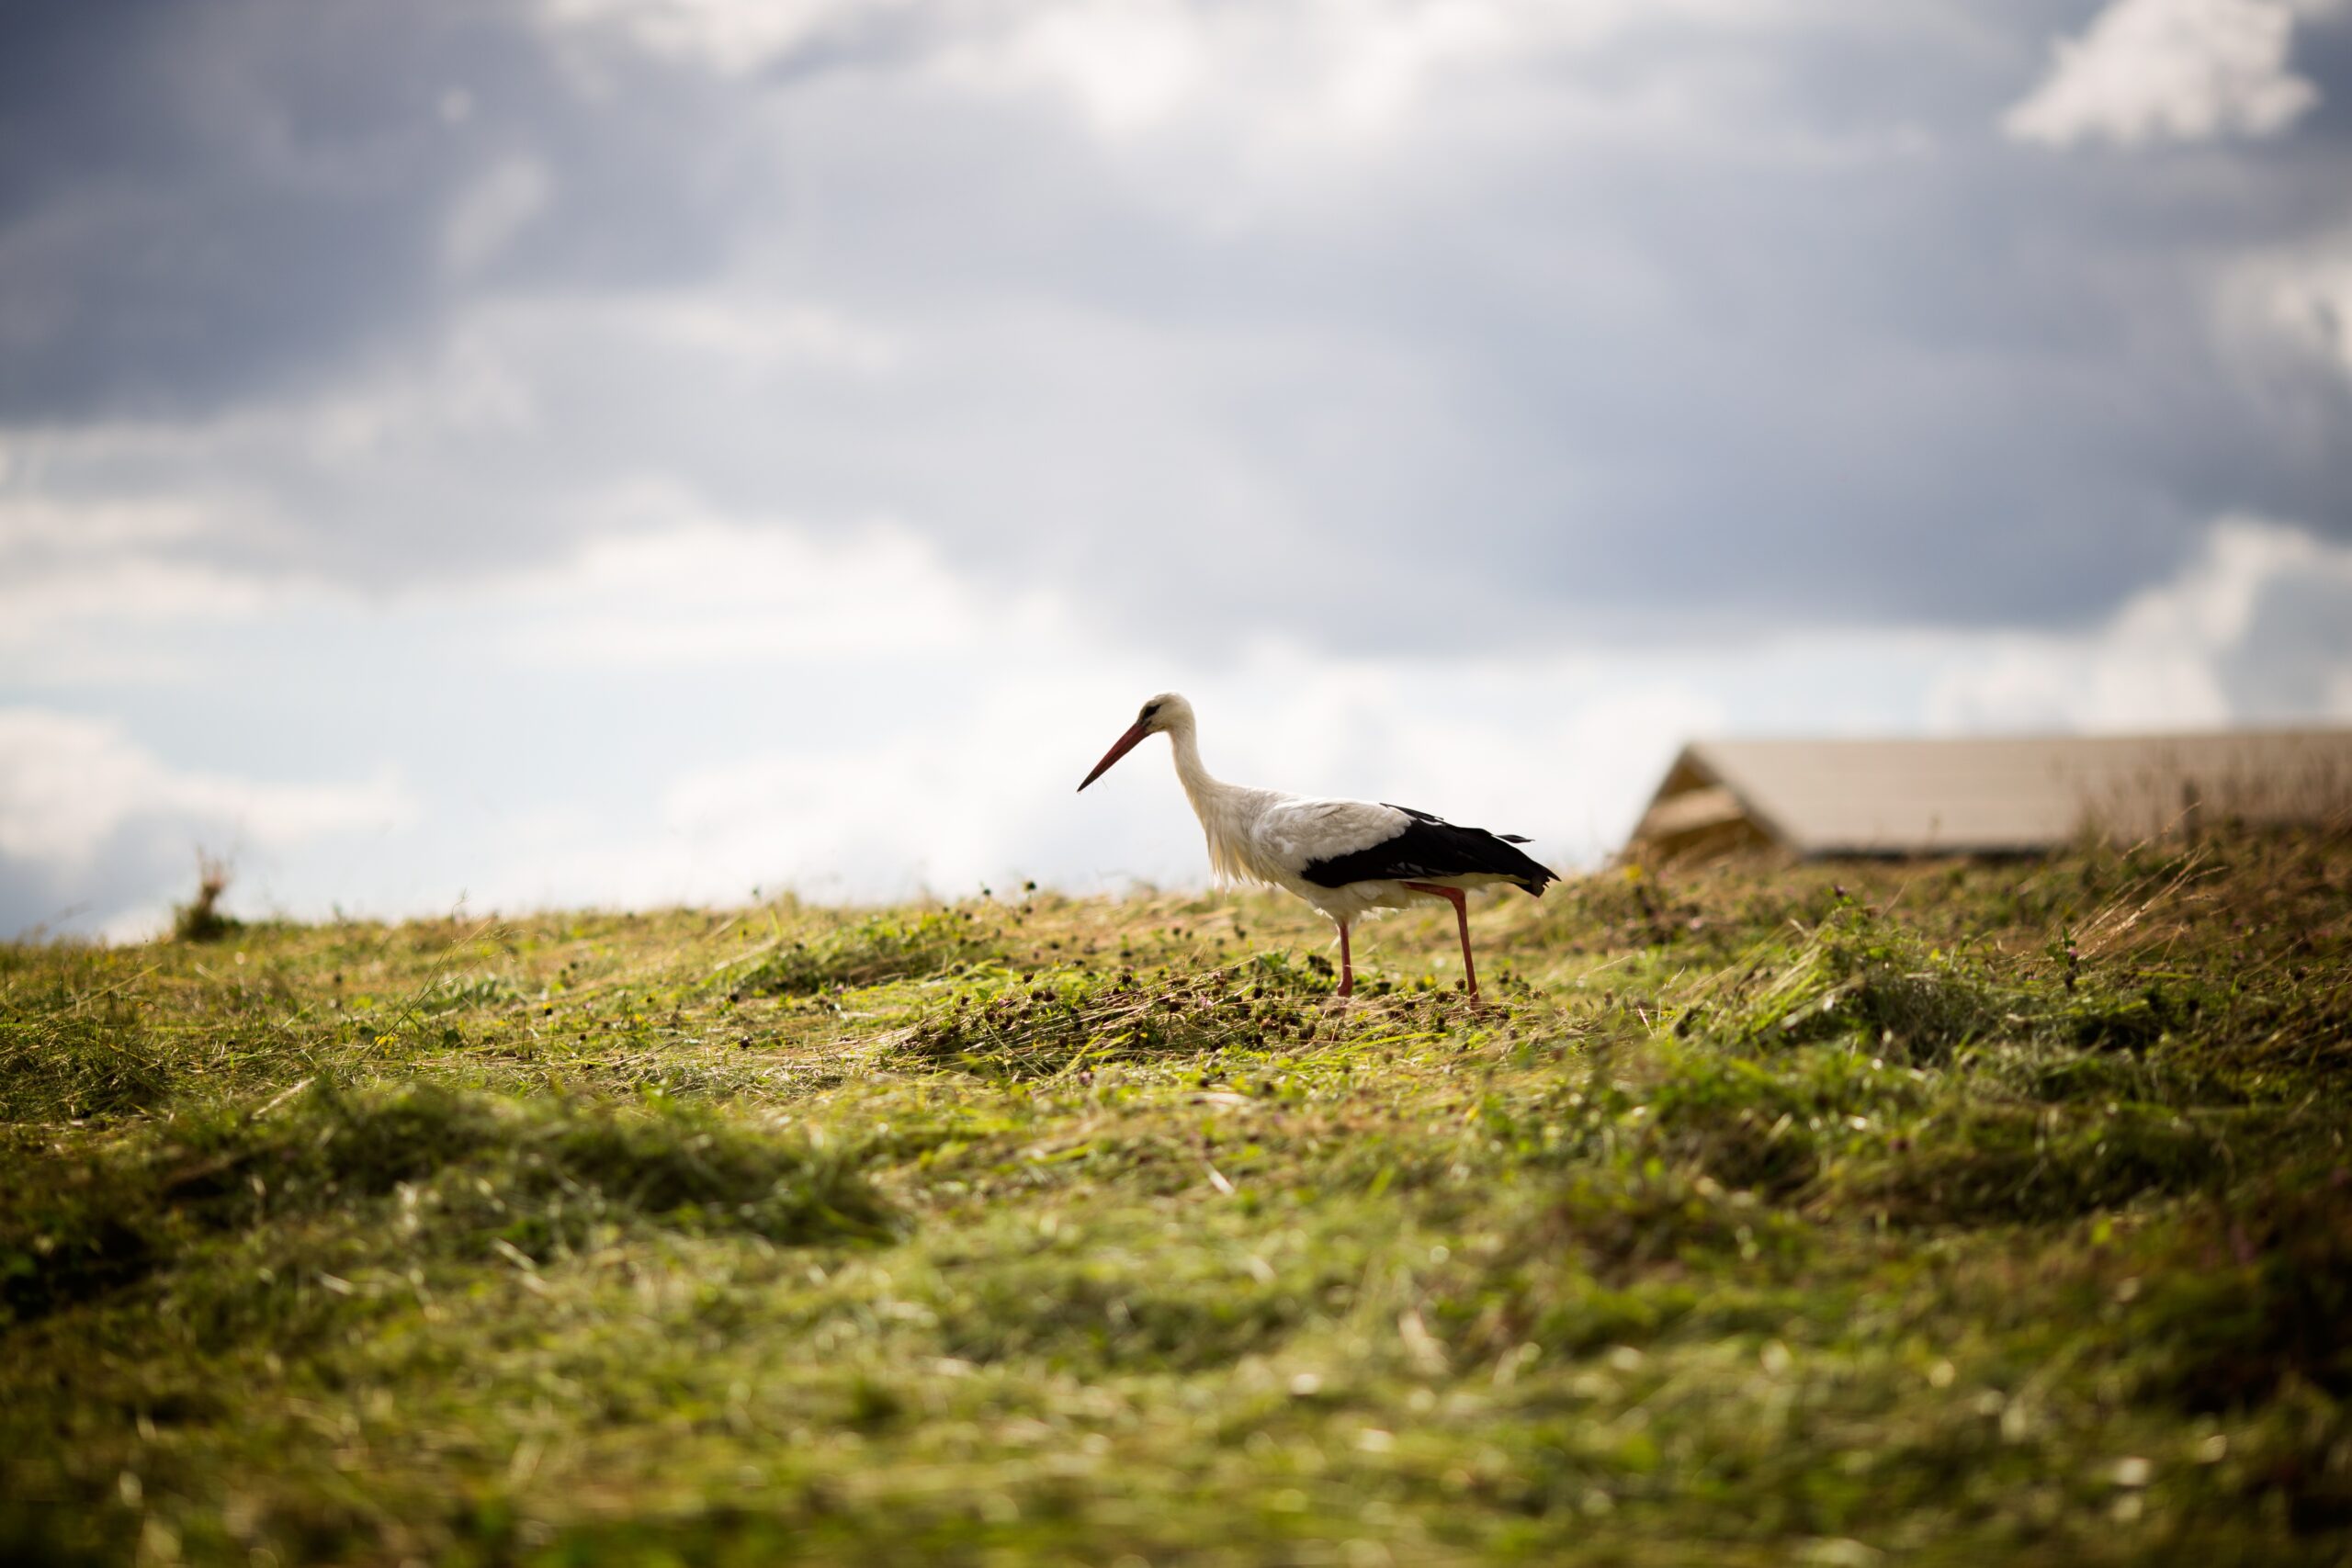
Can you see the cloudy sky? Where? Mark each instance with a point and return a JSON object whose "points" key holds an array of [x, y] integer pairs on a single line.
{"points": [[630, 450]]}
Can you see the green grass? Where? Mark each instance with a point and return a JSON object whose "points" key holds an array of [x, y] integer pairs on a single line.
{"points": [[1954, 1214]]}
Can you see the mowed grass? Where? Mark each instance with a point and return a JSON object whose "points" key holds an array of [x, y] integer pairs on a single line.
{"points": [[1948, 1213]]}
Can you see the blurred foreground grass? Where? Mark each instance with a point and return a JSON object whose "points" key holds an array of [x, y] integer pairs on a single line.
{"points": [[1957, 1213]]}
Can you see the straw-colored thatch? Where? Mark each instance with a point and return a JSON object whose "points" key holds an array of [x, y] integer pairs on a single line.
{"points": [[1989, 796]]}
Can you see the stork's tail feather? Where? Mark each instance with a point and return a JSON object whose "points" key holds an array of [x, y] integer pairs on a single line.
{"points": [[1526, 872]]}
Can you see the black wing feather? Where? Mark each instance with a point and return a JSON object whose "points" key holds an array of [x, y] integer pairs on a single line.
{"points": [[1430, 846]]}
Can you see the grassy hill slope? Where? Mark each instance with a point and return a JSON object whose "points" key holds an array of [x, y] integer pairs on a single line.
{"points": [[1959, 1214]]}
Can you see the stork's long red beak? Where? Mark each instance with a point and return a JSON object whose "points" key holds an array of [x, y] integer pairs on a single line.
{"points": [[1119, 748]]}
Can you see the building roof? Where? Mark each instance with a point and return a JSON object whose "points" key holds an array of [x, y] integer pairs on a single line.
{"points": [[1990, 795]]}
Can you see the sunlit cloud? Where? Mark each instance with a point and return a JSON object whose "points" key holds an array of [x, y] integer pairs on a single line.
{"points": [[2149, 71], [2286, 311], [2252, 629], [683, 590], [68, 782], [492, 211], [732, 37], [95, 826]]}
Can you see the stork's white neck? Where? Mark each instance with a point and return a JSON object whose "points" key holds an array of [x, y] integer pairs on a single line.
{"points": [[1226, 811], [1199, 788]]}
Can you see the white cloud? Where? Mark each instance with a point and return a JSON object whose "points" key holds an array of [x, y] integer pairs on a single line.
{"points": [[928, 809], [70, 564], [1278, 73], [734, 38], [677, 585], [2295, 298], [131, 523], [1343, 69], [2169, 71], [69, 782], [1127, 66], [1291, 75], [492, 211], [33, 524], [2242, 626], [763, 333]]}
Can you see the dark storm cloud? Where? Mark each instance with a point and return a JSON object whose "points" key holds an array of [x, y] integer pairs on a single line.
{"points": [[207, 203], [1696, 327]]}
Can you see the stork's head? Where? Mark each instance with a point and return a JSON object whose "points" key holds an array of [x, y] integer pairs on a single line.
{"points": [[1165, 712]]}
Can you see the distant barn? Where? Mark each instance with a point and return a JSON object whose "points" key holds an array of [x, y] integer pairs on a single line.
{"points": [[1988, 796]]}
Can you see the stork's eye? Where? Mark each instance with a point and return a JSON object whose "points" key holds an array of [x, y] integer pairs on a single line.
{"points": [[1149, 709]]}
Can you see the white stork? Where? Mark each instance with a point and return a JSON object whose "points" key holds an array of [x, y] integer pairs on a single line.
{"points": [[1343, 856]]}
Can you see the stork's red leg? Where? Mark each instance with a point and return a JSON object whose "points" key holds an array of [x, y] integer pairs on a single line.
{"points": [[1462, 917], [1347, 965]]}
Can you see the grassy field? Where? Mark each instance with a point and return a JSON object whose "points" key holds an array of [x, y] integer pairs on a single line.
{"points": [[1957, 1213]]}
